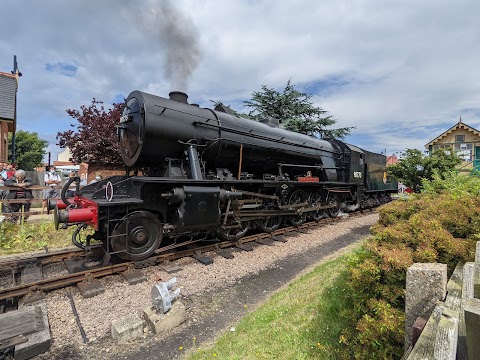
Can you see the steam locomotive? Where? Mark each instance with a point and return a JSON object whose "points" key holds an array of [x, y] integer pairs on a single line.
{"points": [[207, 174]]}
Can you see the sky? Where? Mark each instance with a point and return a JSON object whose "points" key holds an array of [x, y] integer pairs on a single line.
{"points": [[400, 72]]}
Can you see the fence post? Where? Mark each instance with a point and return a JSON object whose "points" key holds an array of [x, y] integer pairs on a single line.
{"points": [[426, 284]]}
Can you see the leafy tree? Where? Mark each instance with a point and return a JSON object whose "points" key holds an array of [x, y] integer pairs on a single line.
{"points": [[414, 166], [94, 138], [295, 111], [29, 150]]}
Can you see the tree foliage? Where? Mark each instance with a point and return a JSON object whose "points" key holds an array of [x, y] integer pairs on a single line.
{"points": [[295, 111], [94, 138], [29, 150], [414, 166]]}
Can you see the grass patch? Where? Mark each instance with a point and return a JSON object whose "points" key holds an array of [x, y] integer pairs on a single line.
{"points": [[18, 238], [302, 321]]}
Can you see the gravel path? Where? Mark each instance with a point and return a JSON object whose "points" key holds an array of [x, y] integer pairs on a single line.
{"points": [[121, 299]]}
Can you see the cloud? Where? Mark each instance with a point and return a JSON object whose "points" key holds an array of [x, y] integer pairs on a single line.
{"points": [[399, 71]]}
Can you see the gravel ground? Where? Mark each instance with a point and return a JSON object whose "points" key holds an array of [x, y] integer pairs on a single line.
{"points": [[121, 299]]}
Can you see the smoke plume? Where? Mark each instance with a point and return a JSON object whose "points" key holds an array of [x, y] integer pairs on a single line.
{"points": [[177, 37]]}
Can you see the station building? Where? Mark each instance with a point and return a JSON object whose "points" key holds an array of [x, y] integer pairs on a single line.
{"points": [[463, 139], [8, 113]]}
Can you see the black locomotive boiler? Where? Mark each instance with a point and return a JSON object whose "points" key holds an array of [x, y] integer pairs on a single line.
{"points": [[207, 174]]}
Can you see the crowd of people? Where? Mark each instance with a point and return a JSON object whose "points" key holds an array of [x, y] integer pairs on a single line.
{"points": [[19, 189]]}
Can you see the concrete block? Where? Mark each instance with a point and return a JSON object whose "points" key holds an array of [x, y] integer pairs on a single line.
{"points": [[426, 284], [159, 322], [446, 338], [127, 329], [468, 283], [472, 328], [38, 341], [134, 276], [477, 255], [90, 288]]}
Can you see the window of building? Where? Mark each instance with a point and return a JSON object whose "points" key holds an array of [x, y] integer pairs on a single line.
{"points": [[465, 151], [459, 138]]}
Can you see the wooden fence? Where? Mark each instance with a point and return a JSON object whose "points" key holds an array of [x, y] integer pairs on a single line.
{"points": [[37, 190], [453, 329]]}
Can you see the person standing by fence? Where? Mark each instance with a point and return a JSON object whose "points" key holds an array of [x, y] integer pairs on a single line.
{"points": [[3, 193], [52, 179], [21, 184]]}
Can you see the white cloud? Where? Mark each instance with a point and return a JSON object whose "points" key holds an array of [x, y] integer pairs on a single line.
{"points": [[407, 69]]}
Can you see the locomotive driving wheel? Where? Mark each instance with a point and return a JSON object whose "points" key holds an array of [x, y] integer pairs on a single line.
{"points": [[333, 200], [234, 229], [270, 223], [137, 236], [297, 197], [315, 199]]}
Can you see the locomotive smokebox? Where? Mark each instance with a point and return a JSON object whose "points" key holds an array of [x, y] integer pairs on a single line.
{"points": [[178, 96]]}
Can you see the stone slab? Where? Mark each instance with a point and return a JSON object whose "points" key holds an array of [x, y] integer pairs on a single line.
{"points": [[134, 276], [39, 341], [279, 238], [245, 247], [224, 253], [75, 265], [91, 288], [446, 337], [127, 329], [205, 260], [266, 242], [426, 284], [472, 328], [159, 322], [170, 267], [31, 274]]}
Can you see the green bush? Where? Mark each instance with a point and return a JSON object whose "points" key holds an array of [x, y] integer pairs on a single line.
{"points": [[442, 224]]}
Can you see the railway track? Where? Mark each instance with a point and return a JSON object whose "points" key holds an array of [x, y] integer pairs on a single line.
{"points": [[38, 284]]}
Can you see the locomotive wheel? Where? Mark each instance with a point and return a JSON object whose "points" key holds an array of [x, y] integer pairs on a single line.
{"points": [[316, 200], [332, 200], [233, 230], [137, 236], [270, 223], [297, 197]]}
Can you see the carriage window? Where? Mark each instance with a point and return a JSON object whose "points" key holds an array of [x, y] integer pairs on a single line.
{"points": [[361, 159]]}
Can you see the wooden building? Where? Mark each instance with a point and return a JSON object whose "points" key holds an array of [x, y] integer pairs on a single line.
{"points": [[463, 139], [8, 113]]}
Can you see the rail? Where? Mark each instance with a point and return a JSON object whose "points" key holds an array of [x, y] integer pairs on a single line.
{"points": [[161, 255]]}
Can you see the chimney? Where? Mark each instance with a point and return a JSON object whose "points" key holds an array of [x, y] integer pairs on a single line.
{"points": [[178, 96]]}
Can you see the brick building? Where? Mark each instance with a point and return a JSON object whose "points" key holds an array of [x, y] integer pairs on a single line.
{"points": [[8, 113]]}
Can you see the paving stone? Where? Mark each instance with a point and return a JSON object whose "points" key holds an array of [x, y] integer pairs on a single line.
{"points": [[159, 322], [127, 329]]}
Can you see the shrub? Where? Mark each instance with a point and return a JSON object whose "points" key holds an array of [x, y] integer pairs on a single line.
{"points": [[442, 224]]}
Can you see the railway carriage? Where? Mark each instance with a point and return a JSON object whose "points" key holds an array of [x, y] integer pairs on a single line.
{"points": [[209, 175]]}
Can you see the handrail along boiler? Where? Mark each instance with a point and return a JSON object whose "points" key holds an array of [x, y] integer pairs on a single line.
{"points": [[209, 174]]}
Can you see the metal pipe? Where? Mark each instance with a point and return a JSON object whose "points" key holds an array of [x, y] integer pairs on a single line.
{"points": [[195, 167], [77, 318], [240, 162]]}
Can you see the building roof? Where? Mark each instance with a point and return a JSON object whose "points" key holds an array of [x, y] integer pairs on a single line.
{"points": [[459, 125], [8, 90]]}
